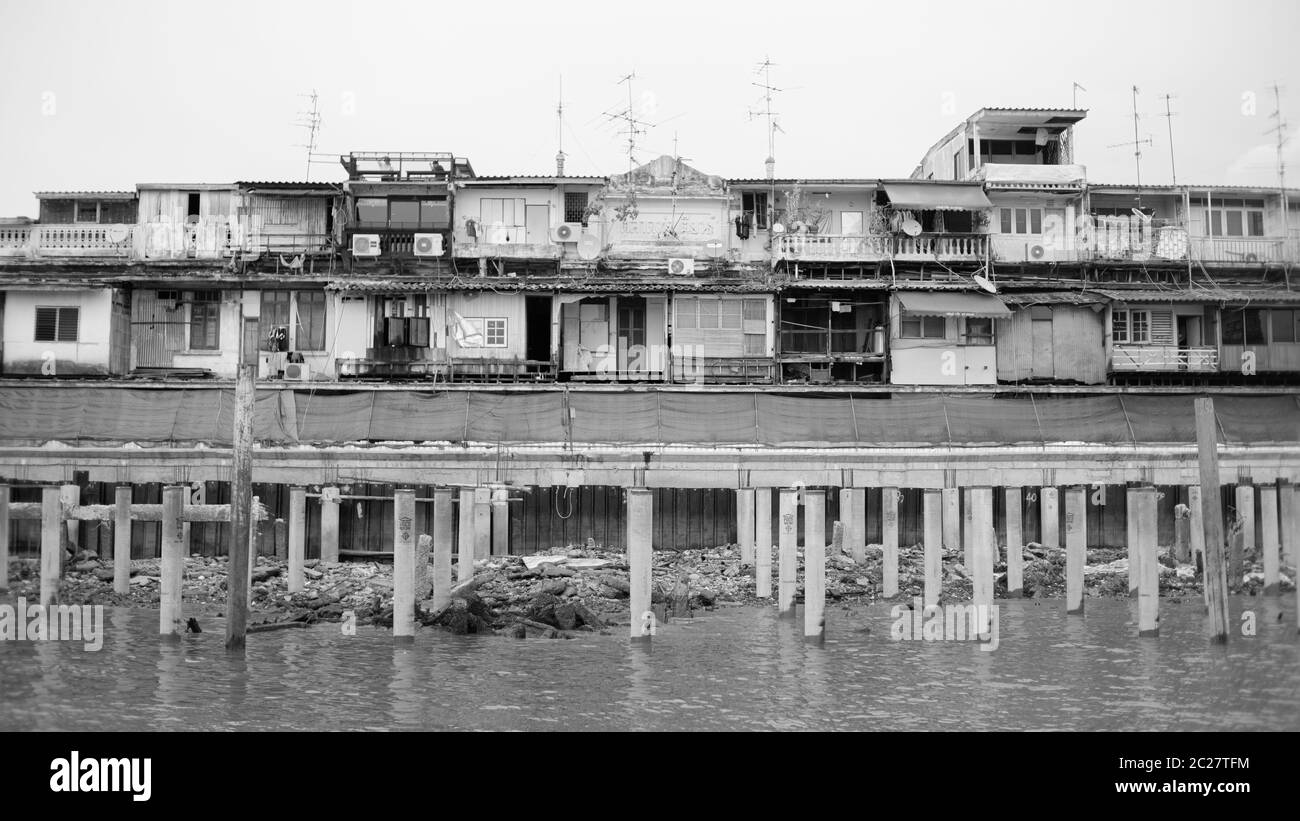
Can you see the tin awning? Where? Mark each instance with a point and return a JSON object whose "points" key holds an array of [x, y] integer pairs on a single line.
{"points": [[932, 196], [947, 303]]}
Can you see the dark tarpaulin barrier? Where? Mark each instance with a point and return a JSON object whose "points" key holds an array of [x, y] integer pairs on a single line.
{"points": [[707, 418], [41, 413], [1163, 419], [334, 417], [135, 415], [977, 420], [615, 418], [785, 418], [417, 416], [516, 417], [1090, 419], [914, 420], [1258, 420]]}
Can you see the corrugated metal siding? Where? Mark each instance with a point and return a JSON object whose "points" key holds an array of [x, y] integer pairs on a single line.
{"points": [[157, 331]]}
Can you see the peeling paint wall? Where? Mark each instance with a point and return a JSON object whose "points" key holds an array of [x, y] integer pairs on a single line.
{"points": [[91, 354]]}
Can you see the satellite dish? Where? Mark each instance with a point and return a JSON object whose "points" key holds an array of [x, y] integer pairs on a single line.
{"points": [[911, 227], [778, 228], [117, 234], [714, 248], [588, 247], [984, 283]]}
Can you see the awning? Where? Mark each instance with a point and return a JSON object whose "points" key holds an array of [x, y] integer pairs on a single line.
{"points": [[946, 303], [1204, 296], [932, 196]]}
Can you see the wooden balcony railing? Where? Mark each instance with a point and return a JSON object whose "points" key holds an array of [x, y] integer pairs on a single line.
{"points": [[1165, 358]]}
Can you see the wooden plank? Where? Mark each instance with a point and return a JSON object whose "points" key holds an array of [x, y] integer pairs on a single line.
{"points": [[1216, 582]]}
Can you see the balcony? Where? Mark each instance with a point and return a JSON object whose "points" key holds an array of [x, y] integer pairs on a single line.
{"points": [[831, 247], [508, 250], [1128, 358], [73, 240], [940, 247], [1244, 250]]}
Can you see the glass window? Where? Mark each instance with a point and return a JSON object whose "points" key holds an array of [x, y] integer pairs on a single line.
{"points": [[754, 203], [311, 321], [755, 345], [575, 206], [404, 214], [979, 331], [1243, 326], [730, 312], [1130, 327], [912, 326], [1284, 323], [755, 309], [1255, 223], [1035, 220], [205, 320], [494, 333], [1234, 223], [708, 314], [687, 313], [87, 212], [273, 324], [372, 211], [1119, 326], [434, 214], [1005, 214]]}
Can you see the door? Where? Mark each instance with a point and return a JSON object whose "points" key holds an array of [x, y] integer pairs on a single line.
{"points": [[1041, 366], [537, 330], [539, 224], [157, 328], [631, 337]]}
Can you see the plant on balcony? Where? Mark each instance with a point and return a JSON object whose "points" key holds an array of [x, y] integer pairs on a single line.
{"points": [[804, 210]]}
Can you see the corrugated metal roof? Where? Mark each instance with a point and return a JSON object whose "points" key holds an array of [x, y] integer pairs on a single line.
{"points": [[315, 186], [793, 181], [924, 195], [1098, 187], [103, 195], [1203, 295], [560, 284], [534, 178], [949, 303], [1053, 298]]}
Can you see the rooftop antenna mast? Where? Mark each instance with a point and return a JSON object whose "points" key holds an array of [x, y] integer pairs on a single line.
{"points": [[632, 125], [765, 68], [310, 120], [1280, 130], [1074, 98], [1137, 146], [559, 132], [1169, 120]]}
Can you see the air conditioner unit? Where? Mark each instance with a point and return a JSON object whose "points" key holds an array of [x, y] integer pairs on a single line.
{"points": [[1037, 252], [428, 245], [365, 245], [567, 232], [297, 371], [681, 267]]}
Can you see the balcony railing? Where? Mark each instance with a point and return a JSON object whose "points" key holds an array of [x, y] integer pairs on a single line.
{"points": [[1125, 238], [1165, 358], [73, 240], [1243, 249], [843, 247], [943, 247]]}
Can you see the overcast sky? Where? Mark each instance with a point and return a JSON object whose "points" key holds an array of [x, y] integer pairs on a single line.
{"points": [[108, 94]]}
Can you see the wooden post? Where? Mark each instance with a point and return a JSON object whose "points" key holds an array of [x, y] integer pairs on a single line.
{"points": [[889, 539], [442, 530], [122, 540], [982, 547], [500, 521], [967, 532], [787, 545], [465, 536], [932, 510], [763, 543], [1216, 582], [639, 559], [1131, 520], [745, 525], [1288, 504], [297, 537], [1182, 533], [1245, 541], [482, 523], [951, 519], [814, 566], [1076, 545], [239, 565], [1015, 543], [1048, 501], [70, 497], [1268, 538], [404, 564], [1196, 536], [857, 524], [1148, 567], [329, 524], [51, 544], [4, 539], [173, 561]]}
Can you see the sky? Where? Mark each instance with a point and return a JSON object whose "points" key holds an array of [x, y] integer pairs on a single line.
{"points": [[104, 95]]}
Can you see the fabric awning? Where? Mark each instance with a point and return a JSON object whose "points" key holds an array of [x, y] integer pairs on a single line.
{"points": [[934, 196], [947, 303]]}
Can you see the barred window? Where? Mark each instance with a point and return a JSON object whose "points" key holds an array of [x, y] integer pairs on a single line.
{"points": [[57, 324]]}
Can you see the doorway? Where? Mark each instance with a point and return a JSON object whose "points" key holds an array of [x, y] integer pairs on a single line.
{"points": [[631, 336], [537, 329]]}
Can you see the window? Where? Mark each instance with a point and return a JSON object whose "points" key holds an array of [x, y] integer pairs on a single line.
{"points": [[311, 321], [575, 206], [754, 203], [729, 312], [956, 166], [979, 331], [273, 326], [192, 207], [205, 321], [1131, 327], [434, 213], [57, 324], [708, 314], [912, 326], [1284, 325], [851, 223], [688, 313], [1234, 218], [404, 213], [87, 212], [492, 331], [372, 211], [755, 345], [1243, 326], [1021, 220]]}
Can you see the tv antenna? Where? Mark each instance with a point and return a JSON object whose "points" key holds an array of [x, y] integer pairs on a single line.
{"points": [[559, 132], [633, 126], [773, 125], [310, 120], [1137, 144], [1280, 130], [1074, 95], [1169, 120]]}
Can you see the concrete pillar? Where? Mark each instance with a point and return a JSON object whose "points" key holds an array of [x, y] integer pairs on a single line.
{"points": [[404, 564], [1182, 533], [951, 519], [889, 540], [1148, 566], [329, 525], [1245, 543], [1288, 503], [173, 561], [1130, 502], [932, 510], [4, 539], [787, 545], [465, 536], [1076, 544], [51, 544], [967, 534], [982, 548], [858, 524], [763, 542], [122, 539], [500, 521], [814, 566], [1268, 538], [1048, 501], [482, 523], [1015, 543], [745, 525], [639, 524], [442, 546], [297, 537], [1196, 535]]}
